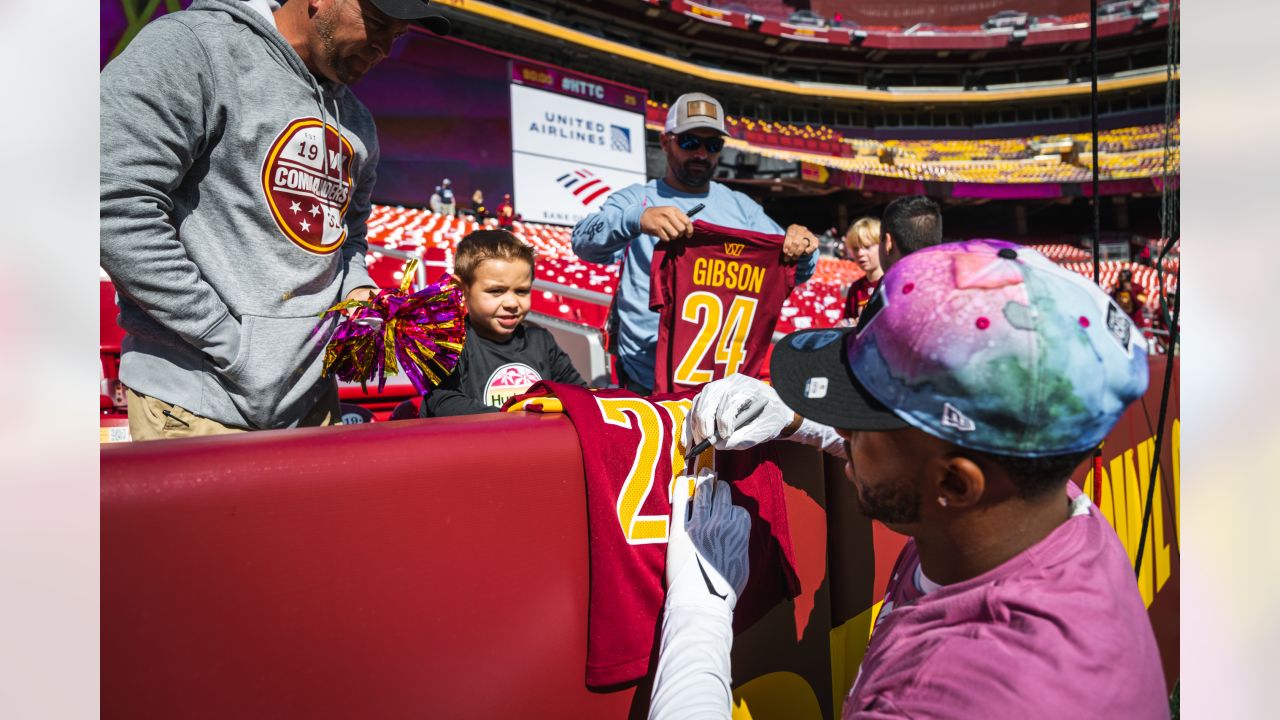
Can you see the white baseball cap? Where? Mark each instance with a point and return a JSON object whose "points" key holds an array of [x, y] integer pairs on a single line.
{"points": [[695, 110]]}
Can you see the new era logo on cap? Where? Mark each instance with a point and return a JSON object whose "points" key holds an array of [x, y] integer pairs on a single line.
{"points": [[953, 418], [815, 388]]}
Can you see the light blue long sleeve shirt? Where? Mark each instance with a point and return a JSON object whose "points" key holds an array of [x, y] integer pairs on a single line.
{"points": [[613, 233]]}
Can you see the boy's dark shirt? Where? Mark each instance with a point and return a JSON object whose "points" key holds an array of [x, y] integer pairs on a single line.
{"points": [[477, 386]]}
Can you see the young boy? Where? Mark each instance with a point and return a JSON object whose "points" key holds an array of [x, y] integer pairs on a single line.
{"points": [[502, 356], [863, 241]]}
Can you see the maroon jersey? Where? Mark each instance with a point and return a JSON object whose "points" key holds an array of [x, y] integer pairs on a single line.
{"points": [[718, 295], [859, 295], [1133, 302], [632, 452]]}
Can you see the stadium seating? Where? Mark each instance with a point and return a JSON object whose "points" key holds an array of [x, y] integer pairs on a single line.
{"points": [[1109, 275], [1062, 252], [435, 237], [849, 9], [1072, 27], [821, 140], [1127, 153], [766, 8], [817, 303]]}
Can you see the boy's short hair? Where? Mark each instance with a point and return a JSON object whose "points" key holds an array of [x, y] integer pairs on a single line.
{"points": [[914, 222], [484, 245], [863, 233]]}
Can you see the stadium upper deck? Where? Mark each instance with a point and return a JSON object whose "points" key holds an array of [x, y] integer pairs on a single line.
{"points": [[846, 84], [1130, 152], [832, 22]]}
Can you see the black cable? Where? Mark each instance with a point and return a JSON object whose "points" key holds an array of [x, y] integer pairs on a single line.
{"points": [[1093, 124], [1159, 441], [1171, 229]]}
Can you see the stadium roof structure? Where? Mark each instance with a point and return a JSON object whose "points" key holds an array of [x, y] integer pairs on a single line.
{"points": [[602, 30]]}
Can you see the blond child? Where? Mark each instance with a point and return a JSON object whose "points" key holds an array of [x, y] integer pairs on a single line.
{"points": [[863, 241]]}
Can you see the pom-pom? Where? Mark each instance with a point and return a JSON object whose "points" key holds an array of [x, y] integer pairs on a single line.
{"points": [[421, 333]]}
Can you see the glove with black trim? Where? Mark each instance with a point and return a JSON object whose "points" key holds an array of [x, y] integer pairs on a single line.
{"points": [[707, 562]]}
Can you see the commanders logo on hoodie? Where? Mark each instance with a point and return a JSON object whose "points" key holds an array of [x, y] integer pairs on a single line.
{"points": [[508, 381], [307, 180]]}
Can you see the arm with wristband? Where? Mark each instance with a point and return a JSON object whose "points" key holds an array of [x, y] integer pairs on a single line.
{"points": [[713, 416]]}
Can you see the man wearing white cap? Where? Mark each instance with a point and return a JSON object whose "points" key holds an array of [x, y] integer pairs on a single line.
{"points": [[634, 219]]}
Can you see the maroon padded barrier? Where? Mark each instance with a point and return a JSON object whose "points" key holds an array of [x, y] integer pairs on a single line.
{"points": [[438, 568], [332, 573]]}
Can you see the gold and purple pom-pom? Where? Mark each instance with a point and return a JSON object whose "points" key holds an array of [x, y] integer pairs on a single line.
{"points": [[421, 333]]}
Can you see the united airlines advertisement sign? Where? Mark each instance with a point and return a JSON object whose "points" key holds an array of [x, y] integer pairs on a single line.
{"points": [[568, 152]]}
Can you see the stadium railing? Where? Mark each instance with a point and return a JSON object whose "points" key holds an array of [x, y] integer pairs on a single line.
{"points": [[583, 344]]}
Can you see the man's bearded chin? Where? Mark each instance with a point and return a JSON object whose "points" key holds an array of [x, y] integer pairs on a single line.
{"points": [[698, 175], [890, 504]]}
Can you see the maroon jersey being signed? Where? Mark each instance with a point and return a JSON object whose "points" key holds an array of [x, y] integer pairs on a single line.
{"points": [[718, 295], [632, 453]]}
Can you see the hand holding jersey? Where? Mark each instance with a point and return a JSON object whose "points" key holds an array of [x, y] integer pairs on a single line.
{"points": [[714, 415], [798, 243], [707, 568], [666, 223]]}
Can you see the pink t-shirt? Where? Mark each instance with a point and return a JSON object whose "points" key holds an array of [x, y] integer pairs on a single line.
{"points": [[1058, 631]]}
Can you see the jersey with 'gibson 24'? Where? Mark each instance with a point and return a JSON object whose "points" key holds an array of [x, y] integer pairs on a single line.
{"points": [[718, 295]]}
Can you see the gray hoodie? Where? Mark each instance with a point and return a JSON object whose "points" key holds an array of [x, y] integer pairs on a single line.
{"points": [[234, 193]]}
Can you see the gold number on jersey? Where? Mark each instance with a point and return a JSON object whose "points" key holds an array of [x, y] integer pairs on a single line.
{"points": [[705, 310], [678, 410], [638, 529], [642, 529]]}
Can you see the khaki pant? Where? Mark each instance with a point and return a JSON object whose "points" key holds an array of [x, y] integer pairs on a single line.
{"points": [[154, 419]]}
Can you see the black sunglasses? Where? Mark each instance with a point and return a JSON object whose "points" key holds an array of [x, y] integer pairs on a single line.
{"points": [[690, 142]]}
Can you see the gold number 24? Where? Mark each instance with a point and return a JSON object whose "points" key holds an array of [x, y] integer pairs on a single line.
{"points": [[706, 310], [644, 415]]}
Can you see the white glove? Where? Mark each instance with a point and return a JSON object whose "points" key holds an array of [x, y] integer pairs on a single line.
{"points": [[715, 414], [823, 437], [707, 564]]}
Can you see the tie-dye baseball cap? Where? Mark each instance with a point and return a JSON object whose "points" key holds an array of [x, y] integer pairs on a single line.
{"points": [[983, 343]]}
